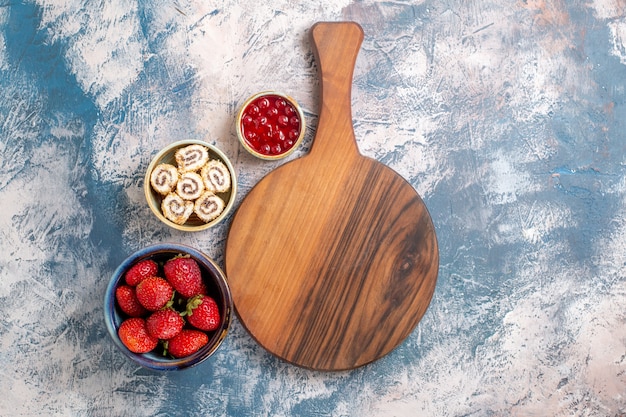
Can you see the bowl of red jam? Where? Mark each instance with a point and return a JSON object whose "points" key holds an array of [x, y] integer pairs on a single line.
{"points": [[270, 125]]}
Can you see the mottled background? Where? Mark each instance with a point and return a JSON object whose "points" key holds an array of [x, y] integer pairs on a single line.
{"points": [[508, 117]]}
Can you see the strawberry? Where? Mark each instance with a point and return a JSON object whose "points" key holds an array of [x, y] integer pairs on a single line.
{"points": [[164, 324], [186, 342], [154, 293], [203, 313], [127, 301], [140, 271], [135, 336], [185, 276]]}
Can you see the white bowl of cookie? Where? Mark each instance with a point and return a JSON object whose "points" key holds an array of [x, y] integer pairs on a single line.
{"points": [[190, 185]]}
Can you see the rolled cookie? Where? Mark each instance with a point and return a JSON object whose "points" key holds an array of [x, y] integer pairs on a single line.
{"points": [[215, 176], [208, 206], [191, 158], [164, 178], [190, 186], [176, 209]]}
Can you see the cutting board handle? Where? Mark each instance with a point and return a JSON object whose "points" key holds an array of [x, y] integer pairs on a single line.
{"points": [[336, 46]]}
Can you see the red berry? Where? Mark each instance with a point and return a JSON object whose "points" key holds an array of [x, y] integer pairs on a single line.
{"points": [[203, 313], [265, 149], [252, 136], [283, 120], [127, 301], [140, 271], [264, 103], [154, 293], [185, 276], [164, 324], [135, 336], [278, 136], [187, 342]]}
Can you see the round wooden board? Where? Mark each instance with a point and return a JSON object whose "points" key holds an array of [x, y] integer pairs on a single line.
{"points": [[332, 258]]}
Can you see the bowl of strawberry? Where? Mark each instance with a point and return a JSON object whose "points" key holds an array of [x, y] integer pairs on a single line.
{"points": [[168, 307]]}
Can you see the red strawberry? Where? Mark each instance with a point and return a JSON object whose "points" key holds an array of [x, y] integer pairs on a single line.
{"points": [[185, 276], [140, 271], [203, 313], [135, 336], [164, 324], [154, 293], [127, 301], [186, 342]]}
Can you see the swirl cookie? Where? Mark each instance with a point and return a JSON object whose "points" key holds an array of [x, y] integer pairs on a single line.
{"points": [[215, 176], [208, 206], [190, 186], [176, 209], [164, 178], [191, 158]]}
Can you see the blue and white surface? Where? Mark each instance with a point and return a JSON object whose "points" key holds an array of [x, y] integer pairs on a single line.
{"points": [[508, 117]]}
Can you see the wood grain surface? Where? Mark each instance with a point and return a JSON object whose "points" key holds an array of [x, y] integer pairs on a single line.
{"points": [[332, 258]]}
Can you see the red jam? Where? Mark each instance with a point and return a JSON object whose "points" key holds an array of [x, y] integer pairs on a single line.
{"points": [[270, 125]]}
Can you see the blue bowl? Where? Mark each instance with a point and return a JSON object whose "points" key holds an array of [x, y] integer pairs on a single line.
{"points": [[217, 287]]}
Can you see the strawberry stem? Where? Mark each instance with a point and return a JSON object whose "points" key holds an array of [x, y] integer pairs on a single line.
{"points": [[170, 303], [180, 255], [192, 304]]}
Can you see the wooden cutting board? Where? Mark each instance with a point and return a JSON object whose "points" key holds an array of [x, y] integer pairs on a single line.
{"points": [[332, 258]]}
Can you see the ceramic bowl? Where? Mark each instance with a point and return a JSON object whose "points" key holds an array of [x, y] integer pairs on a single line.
{"points": [[270, 125], [154, 199], [217, 287]]}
